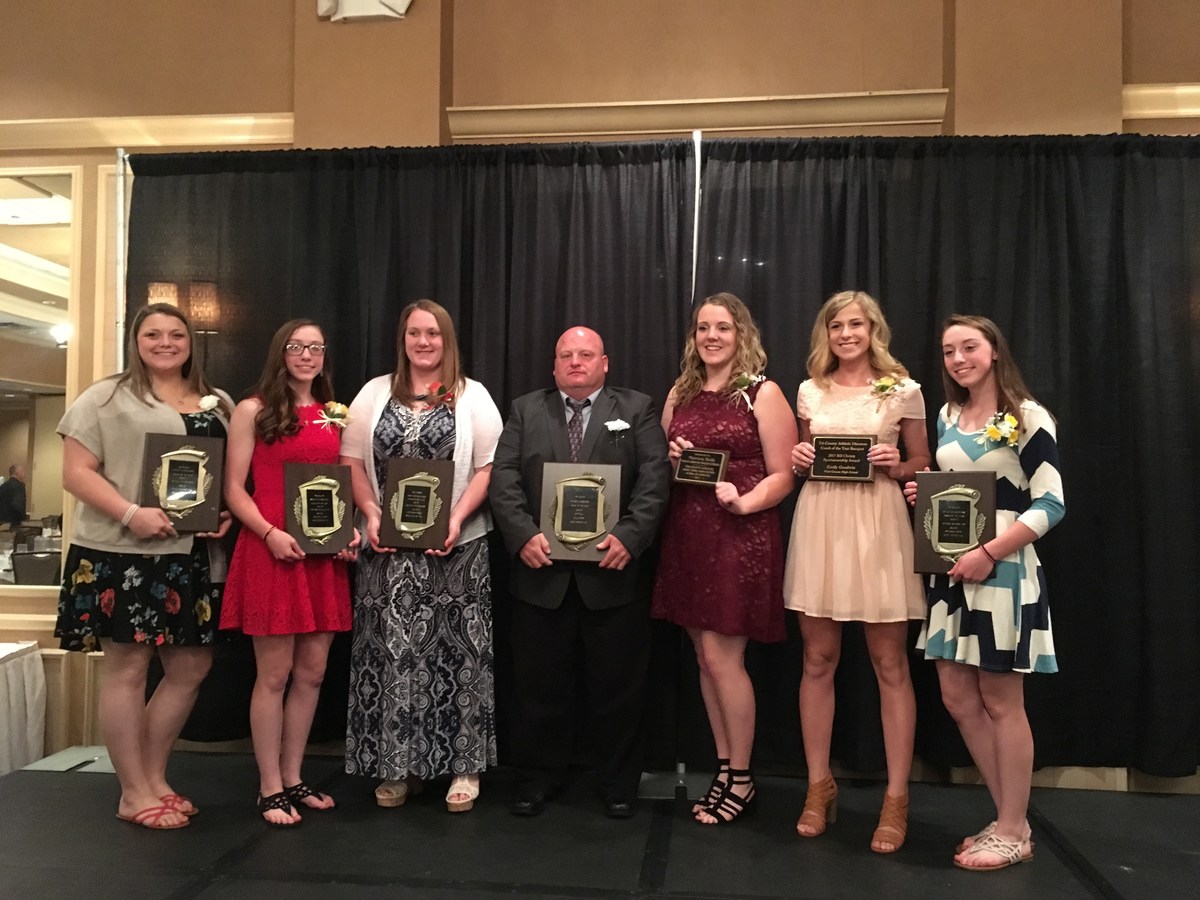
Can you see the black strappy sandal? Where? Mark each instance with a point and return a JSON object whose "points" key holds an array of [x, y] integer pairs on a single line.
{"points": [[297, 792], [280, 802], [730, 807], [713, 794]]}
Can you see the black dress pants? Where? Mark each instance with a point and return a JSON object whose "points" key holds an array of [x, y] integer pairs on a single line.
{"points": [[610, 648]]}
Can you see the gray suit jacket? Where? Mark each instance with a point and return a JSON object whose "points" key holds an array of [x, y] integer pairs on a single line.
{"points": [[536, 433]]}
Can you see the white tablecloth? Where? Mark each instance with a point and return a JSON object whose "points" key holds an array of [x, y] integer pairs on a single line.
{"points": [[22, 705]]}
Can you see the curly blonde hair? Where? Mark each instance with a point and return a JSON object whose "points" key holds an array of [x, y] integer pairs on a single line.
{"points": [[822, 362], [749, 359]]}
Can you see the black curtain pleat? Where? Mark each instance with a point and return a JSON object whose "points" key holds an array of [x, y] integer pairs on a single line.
{"points": [[1086, 251]]}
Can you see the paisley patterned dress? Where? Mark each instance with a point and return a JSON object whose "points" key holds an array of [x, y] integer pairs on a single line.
{"points": [[422, 698]]}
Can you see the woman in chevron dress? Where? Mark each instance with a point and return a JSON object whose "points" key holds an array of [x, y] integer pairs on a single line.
{"points": [[988, 622]]}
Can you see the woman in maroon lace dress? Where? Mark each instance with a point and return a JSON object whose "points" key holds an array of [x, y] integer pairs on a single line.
{"points": [[721, 570], [289, 603]]}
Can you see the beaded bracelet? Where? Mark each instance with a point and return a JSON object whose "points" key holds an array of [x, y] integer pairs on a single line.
{"points": [[128, 517]]}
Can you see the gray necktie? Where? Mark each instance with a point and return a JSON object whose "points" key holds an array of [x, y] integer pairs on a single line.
{"points": [[575, 425]]}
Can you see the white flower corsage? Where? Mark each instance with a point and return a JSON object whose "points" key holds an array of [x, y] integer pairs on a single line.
{"points": [[209, 402], [743, 383], [1002, 428], [334, 414], [617, 425], [888, 386]]}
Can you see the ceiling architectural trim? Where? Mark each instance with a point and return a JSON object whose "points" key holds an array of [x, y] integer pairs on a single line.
{"points": [[570, 120], [1160, 101], [132, 132]]}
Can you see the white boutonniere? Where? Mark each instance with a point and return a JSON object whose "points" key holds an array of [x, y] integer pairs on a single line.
{"points": [[742, 384], [616, 429], [209, 402], [334, 415], [1002, 428]]}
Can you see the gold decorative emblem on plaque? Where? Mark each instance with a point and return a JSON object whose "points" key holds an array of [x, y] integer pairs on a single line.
{"points": [[953, 522], [579, 510], [415, 505], [319, 509], [182, 481]]}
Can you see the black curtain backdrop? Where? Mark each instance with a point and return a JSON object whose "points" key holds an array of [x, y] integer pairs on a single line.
{"points": [[1086, 251], [517, 242]]}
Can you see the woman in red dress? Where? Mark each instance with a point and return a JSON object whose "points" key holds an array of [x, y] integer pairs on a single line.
{"points": [[289, 603]]}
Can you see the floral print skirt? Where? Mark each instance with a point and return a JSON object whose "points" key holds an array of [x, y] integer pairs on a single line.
{"points": [[134, 599]]}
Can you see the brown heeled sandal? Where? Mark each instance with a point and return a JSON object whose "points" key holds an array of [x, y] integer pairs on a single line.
{"points": [[820, 807], [893, 824]]}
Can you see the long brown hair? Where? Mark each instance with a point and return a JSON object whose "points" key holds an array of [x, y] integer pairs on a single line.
{"points": [[452, 373], [1010, 386], [277, 418], [135, 374], [748, 359], [822, 362]]}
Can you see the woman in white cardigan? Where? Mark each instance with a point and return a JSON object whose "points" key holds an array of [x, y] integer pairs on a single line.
{"points": [[422, 699]]}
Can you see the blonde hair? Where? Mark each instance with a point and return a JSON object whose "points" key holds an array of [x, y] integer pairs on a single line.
{"points": [[748, 359], [822, 362]]}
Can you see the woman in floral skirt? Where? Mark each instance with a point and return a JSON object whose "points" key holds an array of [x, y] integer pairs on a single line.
{"points": [[130, 577]]}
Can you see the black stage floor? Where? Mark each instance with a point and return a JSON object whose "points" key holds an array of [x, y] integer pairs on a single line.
{"points": [[59, 838]]}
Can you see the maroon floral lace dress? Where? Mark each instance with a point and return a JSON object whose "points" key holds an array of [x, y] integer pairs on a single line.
{"points": [[719, 571]]}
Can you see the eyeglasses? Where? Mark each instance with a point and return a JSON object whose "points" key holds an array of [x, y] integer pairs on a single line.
{"points": [[292, 349]]}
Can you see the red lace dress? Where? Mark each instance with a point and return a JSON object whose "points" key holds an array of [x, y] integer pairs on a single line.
{"points": [[266, 596], [719, 571]]}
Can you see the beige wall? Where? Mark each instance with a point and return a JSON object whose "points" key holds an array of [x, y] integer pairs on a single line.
{"points": [[369, 83], [32, 363], [1032, 67], [14, 435], [45, 457], [1014, 66], [1162, 41], [69, 58], [548, 51]]}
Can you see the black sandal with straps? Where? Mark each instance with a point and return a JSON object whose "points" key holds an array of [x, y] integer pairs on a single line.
{"points": [[297, 792], [713, 794], [730, 806], [280, 802]]}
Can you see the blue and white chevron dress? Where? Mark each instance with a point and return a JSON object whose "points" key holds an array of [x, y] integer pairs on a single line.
{"points": [[1002, 624]]}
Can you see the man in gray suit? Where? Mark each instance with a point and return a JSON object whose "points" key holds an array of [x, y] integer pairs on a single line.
{"points": [[579, 618]]}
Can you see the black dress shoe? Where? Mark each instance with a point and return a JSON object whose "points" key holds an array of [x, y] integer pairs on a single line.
{"points": [[618, 809], [529, 803]]}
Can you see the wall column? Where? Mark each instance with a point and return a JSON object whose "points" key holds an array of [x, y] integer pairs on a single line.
{"points": [[373, 83]]}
